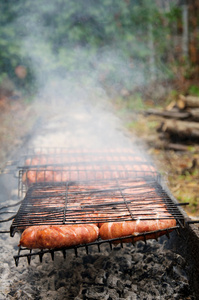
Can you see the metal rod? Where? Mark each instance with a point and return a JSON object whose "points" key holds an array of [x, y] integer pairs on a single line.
{"points": [[192, 222], [182, 204], [7, 212], [10, 205], [125, 202], [66, 199], [8, 219]]}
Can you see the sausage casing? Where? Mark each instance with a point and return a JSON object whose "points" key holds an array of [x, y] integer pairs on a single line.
{"points": [[113, 230], [58, 236]]}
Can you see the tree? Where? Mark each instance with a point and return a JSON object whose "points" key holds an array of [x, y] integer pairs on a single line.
{"points": [[121, 43]]}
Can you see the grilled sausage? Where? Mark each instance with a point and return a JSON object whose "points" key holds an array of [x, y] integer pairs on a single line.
{"points": [[45, 169], [121, 229], [54, 236]]}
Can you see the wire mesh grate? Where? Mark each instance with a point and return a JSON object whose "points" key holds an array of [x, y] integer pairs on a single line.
{"points": [[86, 202], [55, 165], [65, 187]]}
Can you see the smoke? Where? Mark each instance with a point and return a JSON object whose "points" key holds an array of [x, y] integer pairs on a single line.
{"points": [[58, 55], [74, 72]]}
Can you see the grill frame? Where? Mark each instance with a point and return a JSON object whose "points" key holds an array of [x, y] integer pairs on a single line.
{"points": [[28, 254], [105, 196], [91, 164], [101, 162]]}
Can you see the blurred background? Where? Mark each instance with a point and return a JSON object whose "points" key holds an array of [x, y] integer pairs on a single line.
{"points": [[138, 55], [122, 45]]}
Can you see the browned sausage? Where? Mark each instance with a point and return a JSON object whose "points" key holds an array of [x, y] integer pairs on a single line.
{"points": [[121, 229], [58, 236], [106, 170]]}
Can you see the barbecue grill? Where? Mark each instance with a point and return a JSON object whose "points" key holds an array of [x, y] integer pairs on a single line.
{"points": [[82, 187], [119, 199]]}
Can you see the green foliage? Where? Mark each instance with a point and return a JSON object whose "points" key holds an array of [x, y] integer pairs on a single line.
{"points": [[3, 76], [194, 90], [108, 38], [135, 102]]}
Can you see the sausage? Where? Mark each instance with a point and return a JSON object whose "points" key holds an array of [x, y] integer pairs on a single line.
{"points": [[58, 236], [113, 230], [64, 174], [106, 170], [149, 216]]}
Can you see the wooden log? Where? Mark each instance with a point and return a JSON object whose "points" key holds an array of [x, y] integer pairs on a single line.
{"points": [[181, 128], [163, 143], [194, 114], [187, 102], [174, 113], [176, 147], [169, 146]]}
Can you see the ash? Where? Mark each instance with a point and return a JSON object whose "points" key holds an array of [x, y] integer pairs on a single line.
{"points": [[140, 271]]}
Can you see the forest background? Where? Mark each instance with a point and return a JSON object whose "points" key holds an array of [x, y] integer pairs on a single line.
{"points": [[153, 40], [139, 52]]}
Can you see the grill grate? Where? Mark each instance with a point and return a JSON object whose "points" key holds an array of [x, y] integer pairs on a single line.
{"points": [[92, 201], [54, 165], [63, 186], [64, 156]]}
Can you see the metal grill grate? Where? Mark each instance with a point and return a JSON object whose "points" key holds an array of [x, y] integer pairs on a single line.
{"points": [[66, 186], [55, 165], [94, 202]]}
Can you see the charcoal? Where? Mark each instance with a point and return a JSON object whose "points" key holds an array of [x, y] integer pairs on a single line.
{"points": [[100, 277], [180, 261], [130, 295], [124, 262], [113, 295], [97, 293], [121, 274], [112, 281]]}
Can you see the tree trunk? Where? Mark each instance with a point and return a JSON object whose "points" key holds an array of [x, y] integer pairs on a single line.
{"points": [[193, 39], [152, 52], [185, 34]]}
